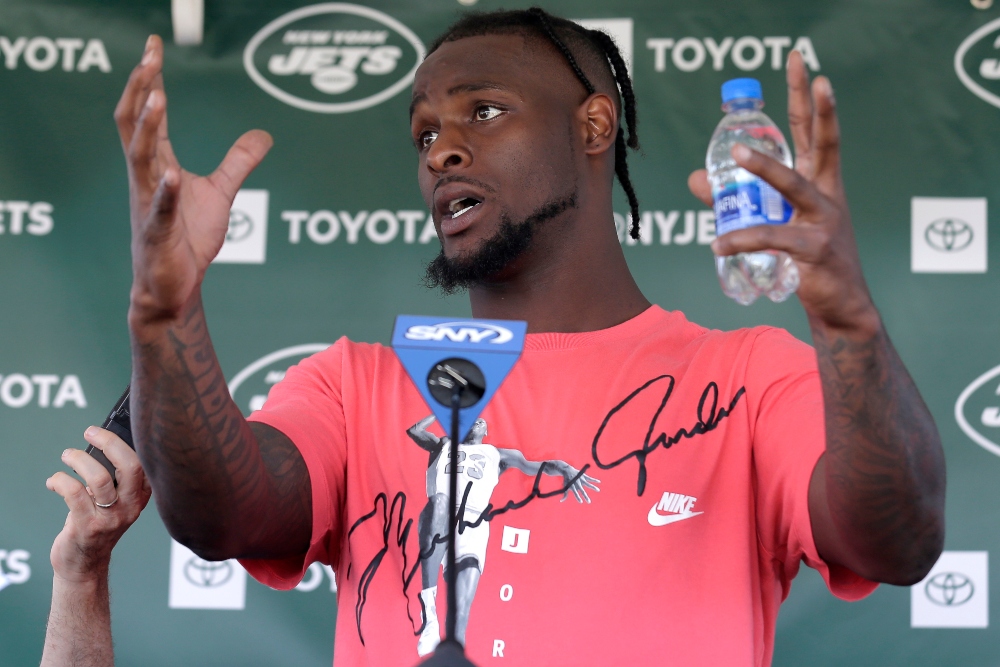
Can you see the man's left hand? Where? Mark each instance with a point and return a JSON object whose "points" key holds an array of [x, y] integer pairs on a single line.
{"points": [[819, 236]]}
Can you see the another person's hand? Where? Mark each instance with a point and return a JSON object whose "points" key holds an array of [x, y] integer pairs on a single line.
{"points": [[179, 219], [99, 514], [819, 236]]}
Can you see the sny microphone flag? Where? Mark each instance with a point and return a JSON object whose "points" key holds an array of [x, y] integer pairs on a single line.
{"points": [[423, 342]]}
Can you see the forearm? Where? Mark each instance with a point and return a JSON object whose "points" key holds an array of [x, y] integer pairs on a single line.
{"points": [[420, 435], [884, 466], [203, 461], [79, 626]]}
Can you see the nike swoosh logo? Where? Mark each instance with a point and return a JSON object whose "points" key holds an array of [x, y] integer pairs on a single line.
{"points": [[657, 519]]}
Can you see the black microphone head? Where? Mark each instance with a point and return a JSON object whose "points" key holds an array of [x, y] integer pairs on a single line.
{"points": [[456, 374], [448, 654]]}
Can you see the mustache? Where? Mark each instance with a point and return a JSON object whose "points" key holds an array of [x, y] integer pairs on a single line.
{"points": [[464, 179]]}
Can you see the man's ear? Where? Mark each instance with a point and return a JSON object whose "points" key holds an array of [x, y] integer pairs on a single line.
{"points": [[598, 118]]}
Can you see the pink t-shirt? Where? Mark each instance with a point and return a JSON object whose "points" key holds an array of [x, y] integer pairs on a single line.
{"points": [[703, 443]]}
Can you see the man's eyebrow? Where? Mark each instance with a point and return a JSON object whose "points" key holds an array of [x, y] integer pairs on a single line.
{"points": [[471, 87], [476, 86], [417, 99]]}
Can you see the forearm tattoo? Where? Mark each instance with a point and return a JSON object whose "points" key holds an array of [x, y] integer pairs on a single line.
{"points": [[884, 463], [218, 482]]}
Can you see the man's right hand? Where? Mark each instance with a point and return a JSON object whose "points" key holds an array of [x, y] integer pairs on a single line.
{"points": [[224, 488], [179, 220]]}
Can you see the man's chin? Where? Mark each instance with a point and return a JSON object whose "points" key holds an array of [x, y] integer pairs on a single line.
{"points": [[477, 262], [490, 260]]}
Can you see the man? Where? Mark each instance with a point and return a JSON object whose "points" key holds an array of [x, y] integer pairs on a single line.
{"points": [[79, 627], [782, 453], [479, 468]]}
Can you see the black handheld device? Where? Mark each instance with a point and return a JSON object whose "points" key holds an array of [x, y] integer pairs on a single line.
{"points": [[118, 422]]}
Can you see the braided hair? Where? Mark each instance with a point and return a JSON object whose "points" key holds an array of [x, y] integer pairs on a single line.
{"points": [[594, 46]]}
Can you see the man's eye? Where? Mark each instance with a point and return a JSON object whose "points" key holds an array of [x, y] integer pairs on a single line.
{"points": [[487, 112], [426, 139]]}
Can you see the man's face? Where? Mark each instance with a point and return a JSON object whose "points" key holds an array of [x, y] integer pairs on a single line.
{"points": [[478, 431], [492, 123]]}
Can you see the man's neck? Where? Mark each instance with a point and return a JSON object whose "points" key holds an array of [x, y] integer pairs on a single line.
{"points": [[565, 284]]}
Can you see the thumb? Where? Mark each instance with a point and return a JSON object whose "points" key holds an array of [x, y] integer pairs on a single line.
{"points": [[699, 186], [242, 158]]}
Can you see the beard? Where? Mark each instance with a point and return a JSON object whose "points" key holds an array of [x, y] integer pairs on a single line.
{"points": [[495, 253]]}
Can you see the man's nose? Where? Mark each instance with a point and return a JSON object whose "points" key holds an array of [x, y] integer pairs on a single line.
{"points": [[448, 152]]}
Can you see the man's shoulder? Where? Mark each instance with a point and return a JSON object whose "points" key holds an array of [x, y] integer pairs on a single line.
{"points": [[680, 330], [346, 350]]}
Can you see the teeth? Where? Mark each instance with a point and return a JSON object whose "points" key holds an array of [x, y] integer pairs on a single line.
{"points": [[456, 208]]}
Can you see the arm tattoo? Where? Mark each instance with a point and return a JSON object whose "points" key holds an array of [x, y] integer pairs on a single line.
{"points": [[884, 468], [223, 488]]}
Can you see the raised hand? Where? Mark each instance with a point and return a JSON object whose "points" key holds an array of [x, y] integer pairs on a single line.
{"points": [[179, 219], [79, 625], [819, 236], [876, 496], [99, 513]]}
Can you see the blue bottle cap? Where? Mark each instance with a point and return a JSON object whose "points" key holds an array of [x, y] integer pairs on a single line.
{"points": [[741, 88]]}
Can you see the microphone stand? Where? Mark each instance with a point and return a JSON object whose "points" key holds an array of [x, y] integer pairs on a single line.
{"points": [[451, 653]]}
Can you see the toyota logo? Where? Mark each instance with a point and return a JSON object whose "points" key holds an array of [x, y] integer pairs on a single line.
{"points": [[949, 589], [240, 226], [948, 234], [206, 573]]}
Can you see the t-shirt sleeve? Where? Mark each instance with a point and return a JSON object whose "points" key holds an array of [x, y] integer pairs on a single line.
{"points": [[307, 407], [789, 435]]}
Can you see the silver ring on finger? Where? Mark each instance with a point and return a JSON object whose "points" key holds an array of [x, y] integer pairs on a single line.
{"points": [[103, 506]]}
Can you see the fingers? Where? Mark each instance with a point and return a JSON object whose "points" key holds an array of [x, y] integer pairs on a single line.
{"points": [[94, 474], [242, 158], [796, 189], [72, 491], [800, 112], [591, 483], [802, 242], [145, 76], [164, 204], [826, 135], [700, 187], [128, 470], [142, 149]]}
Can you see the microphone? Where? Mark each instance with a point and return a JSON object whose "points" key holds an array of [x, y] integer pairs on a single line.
{"points": [[457, 366]]}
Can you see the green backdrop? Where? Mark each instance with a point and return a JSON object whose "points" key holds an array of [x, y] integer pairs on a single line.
{"points": [[912, 127]]}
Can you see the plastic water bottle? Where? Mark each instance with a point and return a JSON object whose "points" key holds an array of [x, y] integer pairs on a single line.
{"points": [[744, 200]]}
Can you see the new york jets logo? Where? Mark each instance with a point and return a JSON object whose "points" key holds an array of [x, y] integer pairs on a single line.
{"points": [[333, 57], [977, 62], [249, 387], [977, 410]]}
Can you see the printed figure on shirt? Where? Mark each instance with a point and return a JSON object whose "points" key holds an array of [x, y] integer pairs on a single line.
{"points": [[479, 468]]}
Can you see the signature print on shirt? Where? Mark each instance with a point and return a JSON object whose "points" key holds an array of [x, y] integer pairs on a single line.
{"points": [[475, 510], [479, 468]]}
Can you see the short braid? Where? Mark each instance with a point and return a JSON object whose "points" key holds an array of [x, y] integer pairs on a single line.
{"points": [[610, 50], [543, 19], [621, 170], [624, 82]]}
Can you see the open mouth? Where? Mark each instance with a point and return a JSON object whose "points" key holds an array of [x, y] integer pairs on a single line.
{"points": [[462, 205]]}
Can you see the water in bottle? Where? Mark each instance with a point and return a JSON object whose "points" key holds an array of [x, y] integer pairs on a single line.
{"points": [[744, 200]]}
